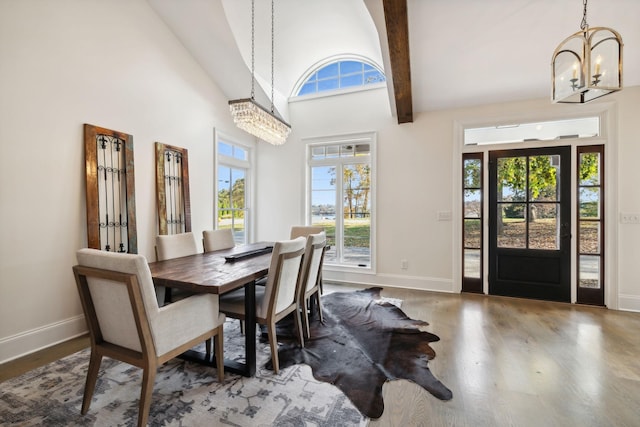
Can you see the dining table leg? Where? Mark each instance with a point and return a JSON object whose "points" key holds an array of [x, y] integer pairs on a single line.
{"points": [[247, 369], [250, 328]]}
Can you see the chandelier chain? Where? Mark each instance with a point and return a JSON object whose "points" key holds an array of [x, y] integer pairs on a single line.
{"points": [[253, 48], [583, 24], [272, 52]]}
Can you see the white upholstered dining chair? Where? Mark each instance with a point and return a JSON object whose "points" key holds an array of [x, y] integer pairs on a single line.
{"points": [[170, 246], [311, 275], [125, 322], [278, 297], [304, 230], [216, 240]]}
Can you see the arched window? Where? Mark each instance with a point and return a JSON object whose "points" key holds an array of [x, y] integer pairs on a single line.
{"points": [[340, 75]]}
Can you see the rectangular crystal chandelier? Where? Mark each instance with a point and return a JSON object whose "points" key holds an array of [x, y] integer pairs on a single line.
{"points": [[250, 116]]}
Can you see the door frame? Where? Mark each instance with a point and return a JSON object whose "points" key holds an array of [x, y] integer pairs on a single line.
{"points": [[607, 113]]}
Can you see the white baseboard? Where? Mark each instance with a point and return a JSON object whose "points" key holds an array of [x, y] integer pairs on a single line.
{"points": [[390, 280], [21, 344], [629, 302]]}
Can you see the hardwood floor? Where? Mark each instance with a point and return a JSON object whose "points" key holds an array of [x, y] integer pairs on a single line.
{"points": [[516, 362], [31, 361], [508, 361]]}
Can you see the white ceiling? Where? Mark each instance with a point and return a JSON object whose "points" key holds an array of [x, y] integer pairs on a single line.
{"points": [[463, 52]]}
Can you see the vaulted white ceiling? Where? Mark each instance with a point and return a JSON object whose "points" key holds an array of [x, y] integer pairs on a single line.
{"points": [[463, 52]]}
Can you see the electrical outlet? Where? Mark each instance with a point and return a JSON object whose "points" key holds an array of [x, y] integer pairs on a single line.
{"points": [[404, 264]]}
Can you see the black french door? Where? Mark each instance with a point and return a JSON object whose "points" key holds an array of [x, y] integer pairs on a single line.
{"points": [[530, 223]]}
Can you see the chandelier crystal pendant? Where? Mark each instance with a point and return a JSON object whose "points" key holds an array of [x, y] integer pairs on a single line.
{"points": [[587, 64], [250, 116]]}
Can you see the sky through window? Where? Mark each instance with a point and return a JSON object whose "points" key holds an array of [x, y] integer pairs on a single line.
{"points": [[341, 75]]}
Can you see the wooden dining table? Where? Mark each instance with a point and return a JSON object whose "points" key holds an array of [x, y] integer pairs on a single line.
{"points": [[220, 272]]}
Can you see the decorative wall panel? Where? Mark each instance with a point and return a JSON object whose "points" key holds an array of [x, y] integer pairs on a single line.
{"points": [[110, 190], [172, 189]]}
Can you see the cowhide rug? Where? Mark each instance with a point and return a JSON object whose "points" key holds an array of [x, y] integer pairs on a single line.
{"points": [[363, 343]]}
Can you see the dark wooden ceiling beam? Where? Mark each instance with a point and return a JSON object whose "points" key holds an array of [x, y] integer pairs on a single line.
{"points": [[395, 17]]}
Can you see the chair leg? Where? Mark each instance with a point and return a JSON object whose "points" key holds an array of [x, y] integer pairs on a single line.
{"points": [[92, 376], [298, 323], [148, 379], [305, 317], [319, 305], [220, 354], [273, 342]]}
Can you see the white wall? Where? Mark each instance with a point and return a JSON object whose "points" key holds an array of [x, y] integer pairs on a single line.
{"points": [[628, 198], [416, 171], [112, 64]]}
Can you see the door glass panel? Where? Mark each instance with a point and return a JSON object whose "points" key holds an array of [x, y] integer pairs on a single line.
{"points": [[512, 179], [543, 178], [472, 263], [512, 231], [472, 233], [589, 199], [472, 168], [589, 237], [589, 169], [472, 222], [590, 244], [472, 206], [543, 226], [589, 274]]}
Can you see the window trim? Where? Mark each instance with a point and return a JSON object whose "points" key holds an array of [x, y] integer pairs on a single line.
{"points": [[363, 137]]}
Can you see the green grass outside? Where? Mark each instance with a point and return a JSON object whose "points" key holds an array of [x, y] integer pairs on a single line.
{"points": [[357, 232]]}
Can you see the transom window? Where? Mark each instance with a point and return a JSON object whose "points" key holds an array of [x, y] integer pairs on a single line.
{"points": [[341, 75], [585, 127]]}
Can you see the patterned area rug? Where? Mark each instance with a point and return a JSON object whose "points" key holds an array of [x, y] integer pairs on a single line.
{"points": [[185, 394]]}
